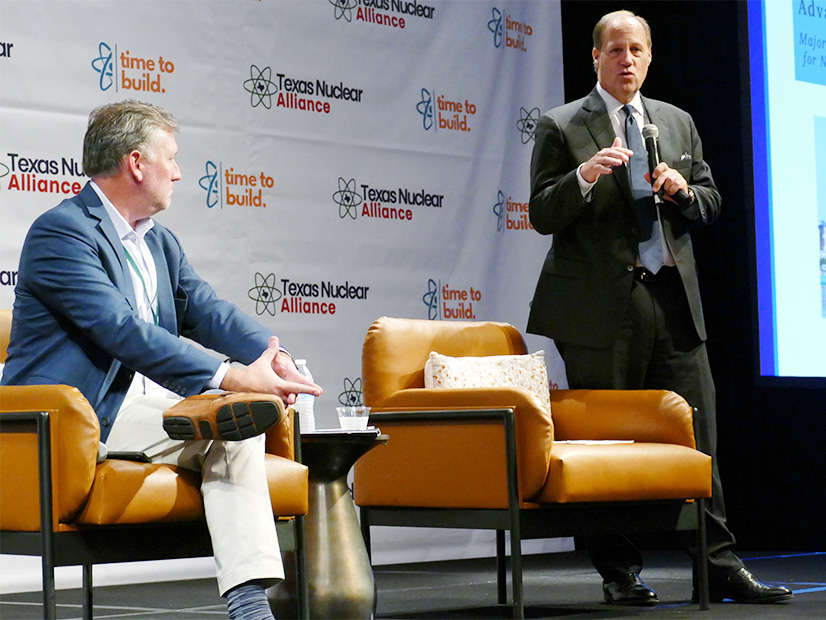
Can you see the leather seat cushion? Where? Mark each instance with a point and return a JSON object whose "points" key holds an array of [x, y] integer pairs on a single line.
{"points": [[128, 492], [625, 472]]}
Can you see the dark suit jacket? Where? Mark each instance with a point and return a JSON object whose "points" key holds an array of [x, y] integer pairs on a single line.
{"points": [[75, 321], [585, 283]]}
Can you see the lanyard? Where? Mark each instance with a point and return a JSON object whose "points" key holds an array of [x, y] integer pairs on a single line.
{"points": [[145, 290]]}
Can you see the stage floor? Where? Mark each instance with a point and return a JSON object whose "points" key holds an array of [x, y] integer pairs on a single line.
{"points": [[560, 585]]}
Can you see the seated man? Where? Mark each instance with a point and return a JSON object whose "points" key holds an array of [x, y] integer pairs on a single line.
{"points": [[103, 295]]}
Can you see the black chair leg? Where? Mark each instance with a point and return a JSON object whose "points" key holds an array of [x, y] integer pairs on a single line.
{"points": [[49, 602], [501, 568], [516, 574], [47, 552], [702, 557], [87, 592], [302, 582]]}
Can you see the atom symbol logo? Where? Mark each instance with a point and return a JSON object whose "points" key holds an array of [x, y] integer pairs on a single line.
{"points": [[209, 183], [425, 108], [431, 299], [264, 294], [344, 8], [495, 26], [346, 198], [527, 124], [499, 211], [103, 65], [260, 87], [351, 396]]}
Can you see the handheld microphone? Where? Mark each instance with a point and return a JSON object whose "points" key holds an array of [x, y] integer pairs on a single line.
{"points": [[650, 133]]}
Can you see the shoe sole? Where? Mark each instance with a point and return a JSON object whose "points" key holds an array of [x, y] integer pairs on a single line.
{"points": [[716, 598], [633, 603], [756, 601], [233, 422]]}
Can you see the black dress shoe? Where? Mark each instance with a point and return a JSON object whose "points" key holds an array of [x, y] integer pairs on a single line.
{"points": [[630, 590], [743, 587]]}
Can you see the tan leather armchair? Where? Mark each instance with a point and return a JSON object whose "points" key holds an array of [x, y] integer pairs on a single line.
{"points": [[57, 502], [495, 458]]}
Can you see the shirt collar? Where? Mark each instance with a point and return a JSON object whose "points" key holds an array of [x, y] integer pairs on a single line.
{"points": [[122, 227], [614, 106]]}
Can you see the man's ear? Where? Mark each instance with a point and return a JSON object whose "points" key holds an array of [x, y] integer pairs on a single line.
{"points": [[134, 164]]}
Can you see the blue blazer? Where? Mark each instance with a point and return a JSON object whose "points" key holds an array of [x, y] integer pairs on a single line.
{"points": [[75, 322]]}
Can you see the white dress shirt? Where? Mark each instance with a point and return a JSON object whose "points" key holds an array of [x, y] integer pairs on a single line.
{"points": [[145, 283]]}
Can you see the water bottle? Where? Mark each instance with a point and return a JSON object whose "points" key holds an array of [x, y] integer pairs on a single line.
{"points": [[304, 402]]}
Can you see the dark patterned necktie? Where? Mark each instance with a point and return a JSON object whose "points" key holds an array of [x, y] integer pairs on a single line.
{"points": [[651, 252]]}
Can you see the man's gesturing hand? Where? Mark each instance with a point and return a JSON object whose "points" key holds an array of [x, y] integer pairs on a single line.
{"points": [[605, 161], [272, 373]]}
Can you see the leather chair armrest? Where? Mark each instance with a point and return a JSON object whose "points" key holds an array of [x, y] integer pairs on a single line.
{"points": [[75, 435], [650, 416], [534, 426], [280, 438]]}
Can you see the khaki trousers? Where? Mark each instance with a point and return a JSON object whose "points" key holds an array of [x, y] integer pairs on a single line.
{"points": [[234, 488]]}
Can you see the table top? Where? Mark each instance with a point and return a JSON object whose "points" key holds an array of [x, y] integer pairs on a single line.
{"points": [[329, 454], [338, 434]]}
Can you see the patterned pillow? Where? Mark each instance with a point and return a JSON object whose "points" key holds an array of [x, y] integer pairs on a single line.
{"points": [[525, 371]]}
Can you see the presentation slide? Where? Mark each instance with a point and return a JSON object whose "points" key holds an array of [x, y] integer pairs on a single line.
{"points": [[787, 41]]}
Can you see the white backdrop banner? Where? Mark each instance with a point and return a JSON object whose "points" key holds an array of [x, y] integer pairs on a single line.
{"points": [[341, 159]]}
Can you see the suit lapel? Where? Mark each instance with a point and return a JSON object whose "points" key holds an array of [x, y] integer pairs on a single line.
{"points": [[122, 280], [656, 117], [166, 303], [601, 130], [665, 145]]}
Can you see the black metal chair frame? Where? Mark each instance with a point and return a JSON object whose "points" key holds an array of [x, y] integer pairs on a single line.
{"points": [[548, 521], [106, 544]]}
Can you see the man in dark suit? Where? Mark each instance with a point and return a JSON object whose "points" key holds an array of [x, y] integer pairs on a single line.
{"points": [[618, 290], [103, 295]]}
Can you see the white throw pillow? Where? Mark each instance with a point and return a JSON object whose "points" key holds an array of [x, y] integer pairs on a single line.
{"points": [[525, 371]]}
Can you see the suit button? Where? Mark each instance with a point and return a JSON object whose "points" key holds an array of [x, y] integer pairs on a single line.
{"points": [[630, 267], [104, 421]]}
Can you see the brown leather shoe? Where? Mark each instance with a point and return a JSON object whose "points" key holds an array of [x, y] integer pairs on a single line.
{"points": [[231, 416]]}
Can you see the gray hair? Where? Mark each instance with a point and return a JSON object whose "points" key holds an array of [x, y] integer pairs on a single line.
{"points": [[117, 129]]}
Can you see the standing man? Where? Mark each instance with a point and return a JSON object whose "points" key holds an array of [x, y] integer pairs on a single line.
{"points": [[618, 290], [103, 294]]}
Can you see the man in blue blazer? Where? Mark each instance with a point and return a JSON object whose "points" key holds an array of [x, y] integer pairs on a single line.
{"points": [[618, 290], [104, 294]]}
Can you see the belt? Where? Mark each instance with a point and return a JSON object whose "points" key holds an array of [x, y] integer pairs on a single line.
{"points": [[641, 274]]}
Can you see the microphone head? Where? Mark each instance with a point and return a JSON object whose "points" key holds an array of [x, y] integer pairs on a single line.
{"points": [[650, 131]]}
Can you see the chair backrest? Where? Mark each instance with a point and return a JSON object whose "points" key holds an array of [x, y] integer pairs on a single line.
{"points": [[396, 350], [5, 333]]}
